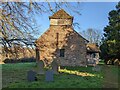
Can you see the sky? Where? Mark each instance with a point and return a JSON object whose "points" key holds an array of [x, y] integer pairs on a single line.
{"points": [[93, 15]]}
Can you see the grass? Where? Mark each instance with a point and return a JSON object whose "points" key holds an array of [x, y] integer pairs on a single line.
{"points": [[15, 76], [15, 73], [111, 78], [101, 62]]}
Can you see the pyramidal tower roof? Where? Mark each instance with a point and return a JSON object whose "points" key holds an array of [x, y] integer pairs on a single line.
{"points": [[61, 14]]}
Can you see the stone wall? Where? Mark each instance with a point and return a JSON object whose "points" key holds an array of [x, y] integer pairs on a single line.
{"points": [[92, 60], [62, 37]]}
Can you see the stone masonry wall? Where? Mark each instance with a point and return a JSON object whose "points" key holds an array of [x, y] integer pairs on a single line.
{"points": [[62, 37]]}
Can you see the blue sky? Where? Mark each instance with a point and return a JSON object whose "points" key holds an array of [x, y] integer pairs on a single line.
{"points": [[93, 15]]}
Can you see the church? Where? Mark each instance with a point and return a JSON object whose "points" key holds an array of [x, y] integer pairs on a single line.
{"points": [[62, 43]]}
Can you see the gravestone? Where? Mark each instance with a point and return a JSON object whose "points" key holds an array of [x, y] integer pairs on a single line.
{"points": [[49, 75], [31, 76], [96, 68], [40, 67], [55, 67]]}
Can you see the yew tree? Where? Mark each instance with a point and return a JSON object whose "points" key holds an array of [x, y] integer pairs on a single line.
{"points": [[111, 41]]}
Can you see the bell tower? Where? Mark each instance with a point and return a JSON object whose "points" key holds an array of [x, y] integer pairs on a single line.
{"points": [[61, 18]]}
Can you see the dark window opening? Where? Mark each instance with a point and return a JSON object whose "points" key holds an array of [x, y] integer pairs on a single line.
{"points": [[62, 52], [94, 55]]}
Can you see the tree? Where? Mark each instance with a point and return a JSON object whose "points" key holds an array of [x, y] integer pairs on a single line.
{"points": [[17, 22], [92, 35], [111, 40]]}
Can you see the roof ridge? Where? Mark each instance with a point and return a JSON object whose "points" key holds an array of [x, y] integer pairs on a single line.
{"points": [[60, 14]]}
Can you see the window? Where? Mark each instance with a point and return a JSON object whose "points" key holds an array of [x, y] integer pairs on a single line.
{"points": [[94, 55], [62, 52]]}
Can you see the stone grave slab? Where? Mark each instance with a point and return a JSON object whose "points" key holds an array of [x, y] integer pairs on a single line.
{"points": [[96, 68], [55, 67], [49, 76], [31, 76], [41, 67]]}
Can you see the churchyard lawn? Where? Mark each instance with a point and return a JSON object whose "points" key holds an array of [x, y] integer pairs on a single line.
{"points": [[15, 76]]}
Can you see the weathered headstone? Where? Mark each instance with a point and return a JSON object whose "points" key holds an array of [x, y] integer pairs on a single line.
{"points": [[31, 76], [41, 67], [96, 68], [49, 76], [55, 67]]}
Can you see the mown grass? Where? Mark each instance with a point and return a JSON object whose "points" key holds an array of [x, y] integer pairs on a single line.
{"points": [[101, 62], [15, 76], [15, 73], [111, 76]]}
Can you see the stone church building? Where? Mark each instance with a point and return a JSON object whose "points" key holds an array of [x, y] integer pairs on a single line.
{"points": [[61, 42]]}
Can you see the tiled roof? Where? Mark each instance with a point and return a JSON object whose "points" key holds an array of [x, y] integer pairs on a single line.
{"points": [[60, 15], [92, 47]]}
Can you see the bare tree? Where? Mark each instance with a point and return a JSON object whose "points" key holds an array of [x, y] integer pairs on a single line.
{"points": [[92, 35], [17, 22]]}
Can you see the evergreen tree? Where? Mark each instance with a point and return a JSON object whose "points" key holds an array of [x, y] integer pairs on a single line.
{"points": [[111, 42]]}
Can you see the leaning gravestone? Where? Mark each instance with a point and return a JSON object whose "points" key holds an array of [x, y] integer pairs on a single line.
{"points": [[31, 76], [55, 67], [49, 75], [41, 67], [96, 68]]}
